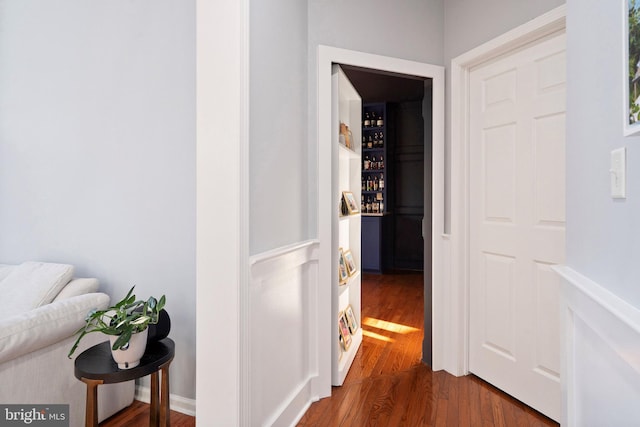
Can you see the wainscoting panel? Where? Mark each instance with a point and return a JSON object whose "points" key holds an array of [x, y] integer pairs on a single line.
{"points": [[601, 355], [282, 328]]}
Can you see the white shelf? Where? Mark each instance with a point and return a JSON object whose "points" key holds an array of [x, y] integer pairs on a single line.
{"points": [[346, 228], [345, 286], [348, 152], [348, 217], [347, 358]]}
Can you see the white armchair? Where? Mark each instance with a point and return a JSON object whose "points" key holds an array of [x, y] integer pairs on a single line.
{"points": [[34, 343]]}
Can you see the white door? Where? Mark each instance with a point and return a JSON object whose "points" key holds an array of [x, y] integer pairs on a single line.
{"points": [[517, 222]]}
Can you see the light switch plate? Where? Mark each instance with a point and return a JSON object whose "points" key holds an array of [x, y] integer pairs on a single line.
{"points": [[618, 173]]}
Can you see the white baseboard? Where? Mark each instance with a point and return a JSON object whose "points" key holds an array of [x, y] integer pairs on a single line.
{"points": [[177, 403]]}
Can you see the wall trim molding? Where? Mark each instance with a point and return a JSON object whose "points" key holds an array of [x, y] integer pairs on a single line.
{"points": [[222, 235], [279, 273], [177, 403], [453, 319], [287, 256], [594, 318]]}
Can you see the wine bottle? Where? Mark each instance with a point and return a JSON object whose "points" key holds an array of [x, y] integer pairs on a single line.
{"points": [[367, 120], [381, 182]]}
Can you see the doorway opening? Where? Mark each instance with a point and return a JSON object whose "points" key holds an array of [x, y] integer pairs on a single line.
{"points": [[327, 200], [396, 240]]}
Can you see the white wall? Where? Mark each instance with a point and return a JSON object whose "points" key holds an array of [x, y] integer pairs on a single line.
{"points": [[468, 24], [278, 124], [97, 148], [603, 235]]}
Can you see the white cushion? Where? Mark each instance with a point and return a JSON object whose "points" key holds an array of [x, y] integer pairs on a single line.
{"points": [[77, 287], [31, 285], [31, 330], [5, 270]]}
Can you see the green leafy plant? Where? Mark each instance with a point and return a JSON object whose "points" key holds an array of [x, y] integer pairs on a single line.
{"points": [[127, 317]]}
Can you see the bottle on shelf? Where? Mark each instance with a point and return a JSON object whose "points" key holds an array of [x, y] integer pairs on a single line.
{"points": [[381, 182], [375, 184], [366, 164], [381, 204], [369, 207], [370, 142], [363, 184], [374, 163], [367, 120], [373, 120], [380, 122], [380, 164], [375, 140]]}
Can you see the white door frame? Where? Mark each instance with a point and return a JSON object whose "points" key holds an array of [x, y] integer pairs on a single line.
{"points": [[455, 324], [222, 235], [326, 211]]}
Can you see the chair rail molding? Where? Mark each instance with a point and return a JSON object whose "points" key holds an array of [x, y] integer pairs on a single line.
{"points": [[600, 367]]}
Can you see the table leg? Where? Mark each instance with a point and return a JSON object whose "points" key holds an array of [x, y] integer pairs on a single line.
{"points": [[165, 410], [154, 410], [91, 411]]}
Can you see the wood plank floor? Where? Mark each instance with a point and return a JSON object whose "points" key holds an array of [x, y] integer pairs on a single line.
{"points": [[389, 386], [137, 415]]}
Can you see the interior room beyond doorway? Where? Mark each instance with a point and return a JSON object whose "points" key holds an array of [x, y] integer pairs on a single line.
{"points": [[394, 240]]}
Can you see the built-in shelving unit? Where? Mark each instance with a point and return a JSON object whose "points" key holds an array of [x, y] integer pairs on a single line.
{"points": [[374, 156], [346, 285], [375, 183]]}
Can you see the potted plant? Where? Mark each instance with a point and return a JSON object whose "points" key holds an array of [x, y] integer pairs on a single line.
{"points": [[126, 323]]}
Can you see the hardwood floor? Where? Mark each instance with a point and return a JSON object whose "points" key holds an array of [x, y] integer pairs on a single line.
{"points": [[389, 386], [137, 415]]}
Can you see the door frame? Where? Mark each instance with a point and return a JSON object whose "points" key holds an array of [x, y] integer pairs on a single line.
{"points": [[326, 211], [453, 323]]}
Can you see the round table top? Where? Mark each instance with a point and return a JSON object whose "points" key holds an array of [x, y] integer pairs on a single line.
{"points": [[96, 363]]}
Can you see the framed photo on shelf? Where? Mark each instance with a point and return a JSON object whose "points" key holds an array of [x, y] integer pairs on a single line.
{"points": [[345, 336], [343, 272], [631, 67], [351, 263], [350, 202], [352, 322]]}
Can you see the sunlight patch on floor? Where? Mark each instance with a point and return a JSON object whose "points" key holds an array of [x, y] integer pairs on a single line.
{"points": [[376, 336], [389, 326]]}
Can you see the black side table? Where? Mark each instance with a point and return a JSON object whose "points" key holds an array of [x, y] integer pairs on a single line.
{"points": [[95, 366]]}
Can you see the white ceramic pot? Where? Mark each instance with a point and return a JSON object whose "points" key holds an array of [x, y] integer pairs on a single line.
{"points": [[130, 357]]}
